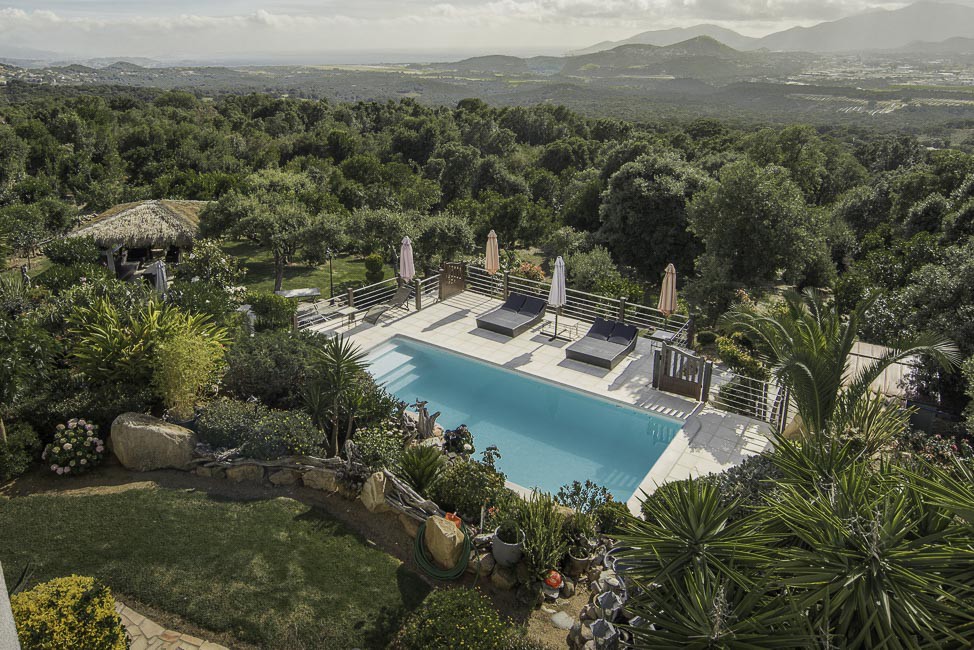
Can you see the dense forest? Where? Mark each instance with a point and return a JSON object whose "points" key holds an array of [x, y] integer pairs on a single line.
{"points": [[740, 212]]}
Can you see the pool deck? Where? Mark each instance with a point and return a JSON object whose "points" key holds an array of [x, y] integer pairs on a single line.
{"points": [[710, 440]]}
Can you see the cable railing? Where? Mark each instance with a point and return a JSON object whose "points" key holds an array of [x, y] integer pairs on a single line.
{"points": [[582, 305], [761, 399]]}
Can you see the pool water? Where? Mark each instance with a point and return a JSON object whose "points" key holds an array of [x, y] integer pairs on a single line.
{"points": [[547, 435]]}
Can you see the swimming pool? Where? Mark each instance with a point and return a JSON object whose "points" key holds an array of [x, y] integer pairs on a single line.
{"points": [[547, 434]]}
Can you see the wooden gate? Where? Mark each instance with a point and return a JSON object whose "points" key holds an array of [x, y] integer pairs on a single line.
{"points": [[453, 279], [681, 372]]}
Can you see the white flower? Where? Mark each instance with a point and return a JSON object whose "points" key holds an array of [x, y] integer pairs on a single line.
{"points": [[467, 447]]}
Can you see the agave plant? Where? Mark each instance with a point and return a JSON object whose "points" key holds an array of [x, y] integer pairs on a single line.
{"points": [[421, 467], [809, 346]]}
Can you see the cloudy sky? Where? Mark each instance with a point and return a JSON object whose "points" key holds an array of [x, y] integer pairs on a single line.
{"points": [[241, 29]]}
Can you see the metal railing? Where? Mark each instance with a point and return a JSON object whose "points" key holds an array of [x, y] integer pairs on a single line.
{"points": [[760, 399], [368, 296], [429, 291], [581, 305]]}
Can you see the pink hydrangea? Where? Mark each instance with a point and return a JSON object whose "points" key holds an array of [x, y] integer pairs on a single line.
{"points": [[54, 468], [60, 470], [99, 449]]}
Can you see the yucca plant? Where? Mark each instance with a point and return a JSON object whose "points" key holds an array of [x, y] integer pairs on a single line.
{"points": [[331, 395], [871, 564], [421, 467]]}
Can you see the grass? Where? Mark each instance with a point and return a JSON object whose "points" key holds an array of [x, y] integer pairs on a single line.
{"points": [[273, 573], [260, 270]]}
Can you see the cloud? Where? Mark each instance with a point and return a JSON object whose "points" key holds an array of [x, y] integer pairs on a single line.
{"points": [[176, 28]]}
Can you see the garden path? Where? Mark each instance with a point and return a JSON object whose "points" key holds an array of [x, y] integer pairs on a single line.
{"points": [[146, 634]]}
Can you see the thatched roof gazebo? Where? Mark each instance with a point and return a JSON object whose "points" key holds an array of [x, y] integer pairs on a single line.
{"points": [[148, 229], [145, 224]]}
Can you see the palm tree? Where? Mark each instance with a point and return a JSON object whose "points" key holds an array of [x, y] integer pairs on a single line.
{"points": [[809, 345], [340, 366]]}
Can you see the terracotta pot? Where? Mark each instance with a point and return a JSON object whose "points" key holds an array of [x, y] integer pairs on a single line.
{"points": [[505, 553]]}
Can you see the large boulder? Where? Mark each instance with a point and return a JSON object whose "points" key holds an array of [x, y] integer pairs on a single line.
{"points": [[374, 493], [321, 479], [285, 477], [246, 474], [142, 443], [444, 541]]}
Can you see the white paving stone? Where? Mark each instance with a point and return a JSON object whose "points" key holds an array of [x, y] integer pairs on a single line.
{"points": [[717, 440]]}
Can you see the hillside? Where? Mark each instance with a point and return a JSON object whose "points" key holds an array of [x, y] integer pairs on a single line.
{"points": [[664, 37]]}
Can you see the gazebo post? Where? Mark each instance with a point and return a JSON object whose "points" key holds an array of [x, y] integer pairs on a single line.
{"points": [[110, 254]]}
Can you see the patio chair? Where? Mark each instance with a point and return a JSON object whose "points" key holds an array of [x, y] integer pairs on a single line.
{"points": [[605, 345], [399, 300], [518, 314]]}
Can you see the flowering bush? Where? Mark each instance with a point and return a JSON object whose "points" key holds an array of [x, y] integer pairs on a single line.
{"points": [[938, 449], [70, 612], [76, 448], [529, 271]]}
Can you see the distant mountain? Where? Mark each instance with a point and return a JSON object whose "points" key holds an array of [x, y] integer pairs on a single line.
{"points": [[702, 58], [878, 30], [957, 45], [664, 37], [932, 22]]}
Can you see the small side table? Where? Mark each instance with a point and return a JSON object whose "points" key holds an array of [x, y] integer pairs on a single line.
{"points": [[348, 312]]}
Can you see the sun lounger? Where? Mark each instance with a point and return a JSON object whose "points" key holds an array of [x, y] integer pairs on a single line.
{"points": [[605, 345], [518, 314], [399, 300]]}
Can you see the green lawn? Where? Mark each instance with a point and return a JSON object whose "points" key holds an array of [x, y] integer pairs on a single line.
{"points": [[274, 573], [260, 269]]}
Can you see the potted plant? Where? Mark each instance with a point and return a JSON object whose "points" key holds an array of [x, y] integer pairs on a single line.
{"points": [[507, 544], [582, 536]]}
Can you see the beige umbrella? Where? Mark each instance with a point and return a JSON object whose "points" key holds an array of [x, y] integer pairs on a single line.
{"points": [[492, 263], [667, 295]]}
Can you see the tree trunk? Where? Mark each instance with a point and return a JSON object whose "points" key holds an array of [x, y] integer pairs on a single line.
{"points": [[3, 431], [278, 271], [334, 430]]}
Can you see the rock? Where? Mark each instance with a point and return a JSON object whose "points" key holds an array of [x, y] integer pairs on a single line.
{"points": [[321, 479], [374, 494], [481, 563], [593, 573], [211, 472], [410, 525], [579, 635], [523, 572], [590, 645], [551, 593], [142, 443], [503, 578], [444, 541], [285, 477], [589, 613], [248, 473], [568, 588], [530, 594], [483, 540], [562, 621]]}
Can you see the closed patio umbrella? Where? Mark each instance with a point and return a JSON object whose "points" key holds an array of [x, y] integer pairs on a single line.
{"points": [[667, 295], [492, 263], [557, 297], [407, 271]]}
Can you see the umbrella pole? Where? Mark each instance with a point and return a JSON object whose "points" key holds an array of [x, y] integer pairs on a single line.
{"points": [[554, 334]]}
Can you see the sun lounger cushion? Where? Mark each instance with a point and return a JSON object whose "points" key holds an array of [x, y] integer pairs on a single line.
{"points": [[622, 334], [601, 330], [532, 306], [514, 302]]}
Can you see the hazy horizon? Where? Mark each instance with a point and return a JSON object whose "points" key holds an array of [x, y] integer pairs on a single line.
{"points": [[364, 31]]}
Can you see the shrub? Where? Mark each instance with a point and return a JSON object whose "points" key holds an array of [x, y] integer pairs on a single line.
{"points": [[271, 366], [706, 337], [612, 517], [58, 279], [459, 441], [544, 527], [73, 250], [373, 268], [71, 612], [379, 447], [19, 451], [466, 486], [740, 359], [273, 312], [585, 497], [528, 271], [421, 467], [185, 365], [258, 432], [76, 448], [942, 450], [456, 618]]}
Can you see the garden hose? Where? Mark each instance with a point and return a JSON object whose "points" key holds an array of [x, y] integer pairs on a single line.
{"points": [[426, 562]]}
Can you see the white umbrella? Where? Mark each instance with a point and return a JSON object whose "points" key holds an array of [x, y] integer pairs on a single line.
{"points": [[667, 295], [406, 268], [492, 263], [162, 282], [557, 297]]}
